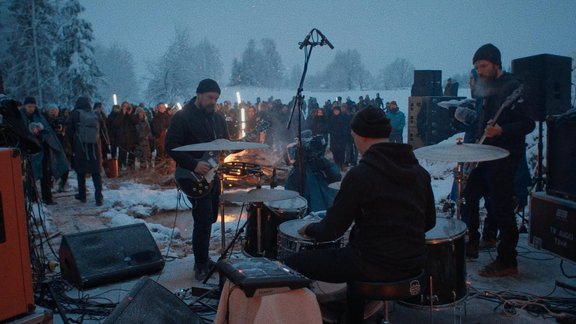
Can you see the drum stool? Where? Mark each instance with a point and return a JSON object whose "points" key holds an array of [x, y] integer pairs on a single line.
{"points": [[359, 291]]}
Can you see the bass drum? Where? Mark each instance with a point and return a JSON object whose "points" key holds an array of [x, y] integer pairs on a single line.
{"points": [[272, 215], [446, 265]]}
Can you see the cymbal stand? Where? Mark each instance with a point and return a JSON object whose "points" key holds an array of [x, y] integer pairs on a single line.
{"points": [[459, 199]]}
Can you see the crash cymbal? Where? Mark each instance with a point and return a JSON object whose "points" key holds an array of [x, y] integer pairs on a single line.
{"points": [[221, 144], [335, 185], [259, 195], [461, 152]]}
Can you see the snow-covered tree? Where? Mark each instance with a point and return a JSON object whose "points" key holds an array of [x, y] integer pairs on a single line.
{"points": [[345, 72], [176, 74], [272, 70], [258, 67], [118, 76], [206, 61], [398, 74], [29, 61], [77, 72]]}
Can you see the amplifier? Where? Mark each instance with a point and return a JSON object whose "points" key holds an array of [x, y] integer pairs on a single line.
{"points": [[553, 225], [428, 123]]}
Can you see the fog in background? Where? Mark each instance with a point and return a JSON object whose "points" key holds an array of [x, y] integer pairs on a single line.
{"points": [[439, 35]]}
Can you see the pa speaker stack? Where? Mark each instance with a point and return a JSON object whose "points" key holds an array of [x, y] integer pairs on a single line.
{"points": [[428, 123], [427, 83], [547, 82]]}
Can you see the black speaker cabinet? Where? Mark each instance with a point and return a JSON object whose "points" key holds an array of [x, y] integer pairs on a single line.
{"points": [[547, 82], [150, 302], [561, 155], [553, 225], [427, 83], [429, 123], [97, 257]]}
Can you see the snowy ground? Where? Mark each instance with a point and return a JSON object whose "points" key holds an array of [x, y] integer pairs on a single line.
{"points": [[167, 215]]}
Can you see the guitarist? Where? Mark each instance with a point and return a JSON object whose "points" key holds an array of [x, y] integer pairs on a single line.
{"points": [[196, 123], [496, 178]]}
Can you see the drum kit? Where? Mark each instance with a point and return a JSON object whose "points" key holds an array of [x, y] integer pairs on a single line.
{"points": [[446, 242], [277, 215]]}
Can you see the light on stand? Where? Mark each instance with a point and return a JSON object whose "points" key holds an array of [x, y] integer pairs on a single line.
{"points": [[115, 99], [179, 106], [242, 115]]}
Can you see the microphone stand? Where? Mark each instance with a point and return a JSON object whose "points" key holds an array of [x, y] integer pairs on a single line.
{"points": [[299, 99]]}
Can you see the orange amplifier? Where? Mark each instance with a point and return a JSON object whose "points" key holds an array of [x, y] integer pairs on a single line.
{"points": [[16, 295]]}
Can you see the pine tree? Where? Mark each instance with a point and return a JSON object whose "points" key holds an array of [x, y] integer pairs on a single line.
{"points": [[29, 60], [272, 68], [77, 72], [251, 60], [207, 62], [118, 76]]}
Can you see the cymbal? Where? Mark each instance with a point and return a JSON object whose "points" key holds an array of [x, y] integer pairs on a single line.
{"points": [[461, 152], [259, 195], [335, 185], [221, 144]]}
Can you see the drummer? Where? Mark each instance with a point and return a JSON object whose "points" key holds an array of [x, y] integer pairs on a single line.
{"points": [[198, 123], [389, 199]]}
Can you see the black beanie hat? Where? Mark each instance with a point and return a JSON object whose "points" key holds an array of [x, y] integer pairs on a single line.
{"points": [[489, 53], [371, 122], [29, 100], [208, 85], [83, 103]]}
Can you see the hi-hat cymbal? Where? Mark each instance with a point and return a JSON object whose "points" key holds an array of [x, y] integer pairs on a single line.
{"points": [[461, 152], [221, 144], [259, 195]]}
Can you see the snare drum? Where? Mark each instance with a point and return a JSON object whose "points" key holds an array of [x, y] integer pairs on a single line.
{"points": [[446, 265], [290, 241], [272, 214]]}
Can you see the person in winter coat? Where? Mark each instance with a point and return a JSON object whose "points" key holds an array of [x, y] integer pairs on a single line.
{"points": [[397, 120], [51, 161], [388, 197], [143, 152], [160, 123], [84, 134], [125, 123]]}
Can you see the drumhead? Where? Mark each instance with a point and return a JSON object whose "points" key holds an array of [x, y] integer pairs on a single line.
{"points": [[296, 203], [446, 229], [290, 228]]}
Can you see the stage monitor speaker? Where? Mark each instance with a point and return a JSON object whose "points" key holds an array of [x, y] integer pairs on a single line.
{"points": [[427, 83], [553, 224], [92, 258], [561, 155], [429, 123], [547, 82], [150, 302], [16, 293]]}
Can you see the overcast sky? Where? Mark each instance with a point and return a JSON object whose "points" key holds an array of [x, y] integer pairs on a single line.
{"points": [[439, 35]]}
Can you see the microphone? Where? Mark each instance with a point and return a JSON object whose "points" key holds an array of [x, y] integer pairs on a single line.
{"points": [[306, 40], [324, 39]]}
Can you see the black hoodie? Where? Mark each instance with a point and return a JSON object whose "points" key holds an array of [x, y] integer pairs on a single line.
{"points": [[389, 198]]}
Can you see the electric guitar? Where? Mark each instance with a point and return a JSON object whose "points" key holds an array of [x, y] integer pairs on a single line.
{"points": [[193, 184], [515, 96], [197, 186]]}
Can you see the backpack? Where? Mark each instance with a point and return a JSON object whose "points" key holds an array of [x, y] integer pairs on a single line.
{"points": [[87, 128]]}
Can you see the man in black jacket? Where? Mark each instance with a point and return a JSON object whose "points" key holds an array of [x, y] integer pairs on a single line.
{"points": [[389, 198], [197, 122], [496, 178]]}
